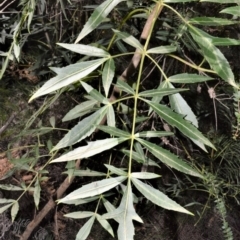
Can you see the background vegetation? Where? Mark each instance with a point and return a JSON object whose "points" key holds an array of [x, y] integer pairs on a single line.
{"points": [[132, 123]]}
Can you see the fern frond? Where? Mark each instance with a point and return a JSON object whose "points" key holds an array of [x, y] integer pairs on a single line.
{"points": [[227, 231]]}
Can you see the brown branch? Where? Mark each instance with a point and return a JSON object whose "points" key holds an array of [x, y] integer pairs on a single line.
{"points": [[4, 127], [49, 206], [132, 66]]}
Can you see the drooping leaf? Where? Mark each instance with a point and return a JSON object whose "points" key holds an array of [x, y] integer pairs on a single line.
{"points": [[79, 215], [188, 78], [115, 170], [85, 49], [179, 105], [68, 75], [36, 194], [105, 224], [123, 86], [86, 229], [111, 121], [110, 208], [4, 208], [158, 197], [162, 49], [214, 56], [94, 93], [232, 10], [211, 21], [14, 210], [93, 189], [107, 75], [114, 131], [129, 39], [162, 92], [177, 120], [91, 149], [52, 121], [169, 158], [10, 187], [140, 158], [5, 200], [82, 130], [97, 17], [80, 110]]}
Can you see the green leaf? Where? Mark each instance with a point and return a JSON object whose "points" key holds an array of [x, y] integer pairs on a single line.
{"points": [[107, 75], [150, 134], [82, 130], [83, 201], [115, 170], [179, 105], [86, 229], [79, 215], [123, 86], [14, 210], [105, 224], [125, 214], [217, 41], [232, 10], [140, 158], [139, 151], [4, 200], [36, 194], [111, 122], [176, 120], [177, 1], [144, 175], [129, 39], [188, 78], [91, 149], [93, 189], [86, 173], [214, 56], [97, 17], [158, 197], [161, 92], [211, 21], [85, 49], [221, 1], [80, 110], [52, 121], [10, 187], [4, 208], [169, 159], [162, 49], [114, 131], [94, 93], [68, 75], [110, 208]]}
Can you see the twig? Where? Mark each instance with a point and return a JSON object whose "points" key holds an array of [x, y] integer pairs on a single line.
{"points": [[4, 127], [1, 11], [49, 206]]}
